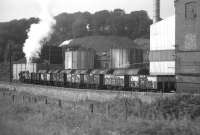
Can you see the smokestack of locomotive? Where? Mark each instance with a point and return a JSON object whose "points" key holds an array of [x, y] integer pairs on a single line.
{"points": [[156, 11]]}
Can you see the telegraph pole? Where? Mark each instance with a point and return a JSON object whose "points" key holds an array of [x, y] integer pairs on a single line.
{"points": [[49, 61], [10, 61]]}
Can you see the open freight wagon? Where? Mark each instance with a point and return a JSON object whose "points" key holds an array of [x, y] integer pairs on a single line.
{"points": [[119, 79]]}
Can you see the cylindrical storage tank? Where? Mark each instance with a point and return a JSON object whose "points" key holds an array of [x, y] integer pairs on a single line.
{"points": [[120, 58], [79, 59]]}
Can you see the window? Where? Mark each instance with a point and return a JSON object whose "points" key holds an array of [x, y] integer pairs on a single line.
{"points": [[190, 10]]}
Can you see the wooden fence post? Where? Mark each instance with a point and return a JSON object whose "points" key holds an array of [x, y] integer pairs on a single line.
{"points": [[92, 108], [29, 99], [23, 99], [126, 108], [108, 110], [60, 103], [46, 101], [13, 98], [35, 99]]}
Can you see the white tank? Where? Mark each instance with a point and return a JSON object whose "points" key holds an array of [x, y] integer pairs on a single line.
{"points": [[79, 59], [120, 58]]}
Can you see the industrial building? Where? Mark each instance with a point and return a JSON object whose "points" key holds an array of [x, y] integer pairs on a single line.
{"points": [[50, 58], [51, 55], [116, 53], [105, 53], [19, 67], [175, 45], [187, 45], [162, 47], [114, 58], [173, 58]]}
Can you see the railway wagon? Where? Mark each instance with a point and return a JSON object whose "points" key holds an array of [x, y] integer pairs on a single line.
{"points": [[55, 77], [49, 77], [60, 78], [134, 83], [43, 75], [79, 78], [120, 79], [25, 76], [162, 83], [97, 80], [65, 78], [22, 76], [33, 78], [117, 80]]}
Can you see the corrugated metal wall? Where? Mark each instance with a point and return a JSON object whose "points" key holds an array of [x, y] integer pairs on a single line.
{"points": [[80, 59], [162, 35], [162, 55], [162, 68], [162, 47], [68, 60]]}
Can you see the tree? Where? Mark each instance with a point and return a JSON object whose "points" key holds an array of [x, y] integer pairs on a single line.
{"points": [[79, 27], [99, 22], [79, 24], [117, 22]]}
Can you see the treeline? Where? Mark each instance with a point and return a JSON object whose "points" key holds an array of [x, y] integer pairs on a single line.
{"points": [[118, 22]]}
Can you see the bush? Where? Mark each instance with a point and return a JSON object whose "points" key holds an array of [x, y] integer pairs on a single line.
{"points": [[178, 107]]}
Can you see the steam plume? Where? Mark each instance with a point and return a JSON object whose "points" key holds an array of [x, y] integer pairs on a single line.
{"points": [[39, 32]]}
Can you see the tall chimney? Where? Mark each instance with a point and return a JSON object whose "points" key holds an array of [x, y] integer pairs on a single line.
{"points": [[156, 11]]}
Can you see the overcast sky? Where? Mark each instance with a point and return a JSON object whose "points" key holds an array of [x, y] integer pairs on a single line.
{"points": [[17, 9]]}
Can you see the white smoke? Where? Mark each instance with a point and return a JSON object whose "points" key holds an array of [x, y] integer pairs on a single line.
{"points": [[39, 32]]}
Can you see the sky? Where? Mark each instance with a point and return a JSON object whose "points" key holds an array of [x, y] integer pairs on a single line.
{"points": [[17, 9]]}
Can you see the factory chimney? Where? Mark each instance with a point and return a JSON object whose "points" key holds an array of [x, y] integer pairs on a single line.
{"points": [[156, 11]]}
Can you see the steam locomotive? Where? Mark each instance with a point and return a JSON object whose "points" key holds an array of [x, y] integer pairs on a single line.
{"points": [[123, 79]]}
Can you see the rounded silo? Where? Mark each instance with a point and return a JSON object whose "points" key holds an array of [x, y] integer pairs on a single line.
{"points": [[120, 58], [79, 59]]}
